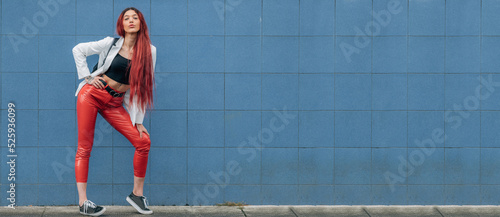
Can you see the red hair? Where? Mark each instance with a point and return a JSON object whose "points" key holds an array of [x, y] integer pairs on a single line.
{"points": [[141, 77]]}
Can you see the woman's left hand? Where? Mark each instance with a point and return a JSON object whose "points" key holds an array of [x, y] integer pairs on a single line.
{"points": [[141, 129]]}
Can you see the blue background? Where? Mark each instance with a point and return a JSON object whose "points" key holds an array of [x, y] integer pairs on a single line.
{"points": [[224, 68]]}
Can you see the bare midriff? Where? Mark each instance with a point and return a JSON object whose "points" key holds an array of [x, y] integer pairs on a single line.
{"points": [[114, 84]]}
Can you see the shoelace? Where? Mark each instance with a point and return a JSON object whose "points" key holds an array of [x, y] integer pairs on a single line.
{"points": [[91, 204], [145, 202], [88, 204]]}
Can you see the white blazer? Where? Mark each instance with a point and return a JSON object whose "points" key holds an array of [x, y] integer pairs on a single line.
{"points": [[80, 53]]}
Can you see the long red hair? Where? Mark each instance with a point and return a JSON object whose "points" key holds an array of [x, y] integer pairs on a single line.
{"points": [[141, 77]]}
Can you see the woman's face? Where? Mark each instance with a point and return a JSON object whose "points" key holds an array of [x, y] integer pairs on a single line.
{"points": [[131, 22]]}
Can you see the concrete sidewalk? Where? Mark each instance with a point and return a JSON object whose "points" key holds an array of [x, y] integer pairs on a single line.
{"points": [[264, 211]]}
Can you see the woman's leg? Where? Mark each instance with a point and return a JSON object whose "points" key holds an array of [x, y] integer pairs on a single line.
{"points": [[119, 118], [138, 186], [86, 114]]}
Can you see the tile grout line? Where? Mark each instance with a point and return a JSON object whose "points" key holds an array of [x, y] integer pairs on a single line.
{"points": [[187, 102], [298, 114], [334, 98], [261, 81], [444, 110], [224, 102], [38, 130], [1, 80], [480, 107], [371, 114], [407, 108]]}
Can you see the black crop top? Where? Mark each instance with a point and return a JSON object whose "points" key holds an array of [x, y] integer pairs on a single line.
{"points": [[117, 69]]}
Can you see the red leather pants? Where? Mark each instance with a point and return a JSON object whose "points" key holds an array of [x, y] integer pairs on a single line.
{"points": [[92, 100]]}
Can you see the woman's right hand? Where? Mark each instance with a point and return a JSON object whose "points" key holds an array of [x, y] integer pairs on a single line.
{"points": [[96, 82]]}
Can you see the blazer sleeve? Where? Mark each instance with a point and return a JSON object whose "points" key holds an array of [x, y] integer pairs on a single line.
{"points": [[82, 50], [139, 116]]}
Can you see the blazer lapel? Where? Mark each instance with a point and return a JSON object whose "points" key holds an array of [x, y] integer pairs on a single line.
{"points": [[112, 53]]}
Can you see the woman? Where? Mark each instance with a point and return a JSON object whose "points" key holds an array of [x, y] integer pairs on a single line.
{"points": [[125, 76]]}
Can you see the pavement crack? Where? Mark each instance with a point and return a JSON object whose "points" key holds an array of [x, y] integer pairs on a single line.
{"points": [[366, 211], [44, 208], [436, 208], [243, 212], [291, 209]]}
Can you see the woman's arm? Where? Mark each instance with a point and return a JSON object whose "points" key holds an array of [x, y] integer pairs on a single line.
{"points": [[82, 50]]}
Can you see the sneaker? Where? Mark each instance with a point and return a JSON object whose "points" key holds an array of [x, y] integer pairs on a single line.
{"points": [[90, 208], [140, 203]]}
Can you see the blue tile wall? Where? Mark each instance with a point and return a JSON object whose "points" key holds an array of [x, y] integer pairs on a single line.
{"points": [[387, 194], [250, 166], [426, 194], [488, 55], [239, 125], [198, 47], [201, 23], [26, 128], [425, 92], [170, 17], [316, 194], [281, 17], [316, 18], [174, 55], [280, 54], [463, 54], [94, 25], [352, 165], [390, 54], [392, 16], [462, 194], [280, 194], [168, 195], [267, 102], [463, 17], [353, 92], [316, 129], [168, 165], [426, 17], [249, 194], [280, 166], [316, 165], [316, 54], [243, 91], [242, 17], [243, 53], [352, 194], [489, 194], [176, 133], [355, 131], [352, 16], [353, 54], [489, 17], [429, 50]]}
